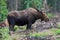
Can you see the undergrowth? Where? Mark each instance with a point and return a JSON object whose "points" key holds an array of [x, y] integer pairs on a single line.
{"points": [[5, 33], [50, 15]]}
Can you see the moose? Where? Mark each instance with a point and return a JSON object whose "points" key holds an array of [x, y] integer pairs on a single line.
{"points": [[25, 17]]}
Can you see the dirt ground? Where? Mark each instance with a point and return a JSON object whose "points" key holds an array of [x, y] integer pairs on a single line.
{"points": [[40, 27]]}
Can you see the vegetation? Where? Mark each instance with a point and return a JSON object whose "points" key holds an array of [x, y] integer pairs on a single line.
{"points": [[31, 3], [58, 24], [52, 32], [55, 31], [39, 34], [20, 27], [50, 15], [3, 10], [5, 33], [53, 5]]}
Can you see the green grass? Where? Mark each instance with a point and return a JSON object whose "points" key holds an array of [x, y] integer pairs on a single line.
{"points": [[19, 27], [58, 25], [5, 33], [58, 39], [38, 34], [50, 15], [6, 36], [50, 32], [55, 31]]}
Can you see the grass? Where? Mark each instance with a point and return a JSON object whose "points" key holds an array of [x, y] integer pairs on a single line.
{"points": [[58, 24], [5, 33], [55, 31], [52, 31], [20, 27], [50, 15], [38, 34], [57, 38]]}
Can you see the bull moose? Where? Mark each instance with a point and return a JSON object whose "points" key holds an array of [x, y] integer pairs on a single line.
{"points": [[25, 17]]}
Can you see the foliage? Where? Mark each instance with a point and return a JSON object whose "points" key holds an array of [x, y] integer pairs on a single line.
{"points": [[58, 24], [3, 10], [5, 33], [19, 27], [54, 5], [50, 15], [55, 31], [31, 3], [38, 34], [51, 2], [52, 31]]}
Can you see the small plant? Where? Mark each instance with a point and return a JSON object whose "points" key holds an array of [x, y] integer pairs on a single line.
{"points": [[19, 27], [5, 33], [58, 25], [57, 38], [39, 34], [16, 28], [55, 31], [3, 10], [50, 15]]}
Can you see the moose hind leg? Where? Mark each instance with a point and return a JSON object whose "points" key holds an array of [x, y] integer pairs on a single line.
{"points": [[11, 26], [29, 25]]}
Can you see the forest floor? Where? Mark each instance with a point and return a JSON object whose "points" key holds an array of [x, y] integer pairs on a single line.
{"points": [[41, 30]]}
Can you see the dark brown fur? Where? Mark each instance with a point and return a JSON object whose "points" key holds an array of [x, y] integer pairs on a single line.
{"points": [[23, 17]]}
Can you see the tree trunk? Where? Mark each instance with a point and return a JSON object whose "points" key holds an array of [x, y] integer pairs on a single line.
{"points": [[45, 4], [16, 4]]}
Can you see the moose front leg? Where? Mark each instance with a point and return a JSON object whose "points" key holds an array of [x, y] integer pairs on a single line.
{"points": [[11, 29]]}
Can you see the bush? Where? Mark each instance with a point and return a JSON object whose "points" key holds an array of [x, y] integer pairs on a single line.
{"points": [[3, 10], [5, 33], [31, 3], [50, 15], [55, 31]]}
